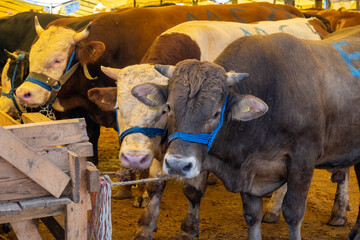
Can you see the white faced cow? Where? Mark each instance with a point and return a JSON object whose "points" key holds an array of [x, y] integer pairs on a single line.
{"points": [[307, 118]]}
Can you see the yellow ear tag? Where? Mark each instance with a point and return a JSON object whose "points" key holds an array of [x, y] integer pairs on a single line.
{"points": [[245, 109], [150, 98]]}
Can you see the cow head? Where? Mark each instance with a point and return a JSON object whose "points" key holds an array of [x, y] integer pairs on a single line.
{"points": [[140, 126], [49, 58], [14, 73], [197, 94]]}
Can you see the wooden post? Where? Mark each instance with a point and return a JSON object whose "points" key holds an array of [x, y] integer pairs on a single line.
{"points": [[26, 229], [76, 218], [318, 3]]}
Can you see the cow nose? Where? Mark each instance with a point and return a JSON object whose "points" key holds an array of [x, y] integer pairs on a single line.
{"points": [[23, 95], [178, 167], [141, 161]]}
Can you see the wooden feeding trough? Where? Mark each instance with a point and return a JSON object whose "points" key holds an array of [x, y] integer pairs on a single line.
{"points": [[43, 173]]}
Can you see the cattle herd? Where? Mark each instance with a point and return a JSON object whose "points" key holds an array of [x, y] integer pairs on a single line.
{"points": [[255, 93]]}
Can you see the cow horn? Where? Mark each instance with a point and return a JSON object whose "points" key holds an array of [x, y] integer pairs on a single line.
{"points": [[166, 70], [233, 77], [83, 34], [10, 55], [38, 28]]}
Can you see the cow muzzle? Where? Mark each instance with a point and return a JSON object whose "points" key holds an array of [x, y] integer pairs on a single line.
{"points": [[136, 160], [183, 166]]}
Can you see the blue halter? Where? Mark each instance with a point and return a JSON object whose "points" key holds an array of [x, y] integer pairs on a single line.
{"points": [[10, 94], [149, 132], [206, 139]]}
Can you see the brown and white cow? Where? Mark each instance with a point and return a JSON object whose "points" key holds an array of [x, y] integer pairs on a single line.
{"points": [[200, 40], [119, 40], [306, 118]]}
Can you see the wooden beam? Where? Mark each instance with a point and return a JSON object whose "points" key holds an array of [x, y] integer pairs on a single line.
{"points": [[93, 178], [75, 177], [32, 164], [25, 230], [83, 149], [76, 218], [9, 209], [34, 117], [55, 228], [48, 134], [6, 120], [34, 213]]}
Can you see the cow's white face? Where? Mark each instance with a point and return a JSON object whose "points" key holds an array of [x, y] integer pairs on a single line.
{"points": [[49, 56], [137, 150]]}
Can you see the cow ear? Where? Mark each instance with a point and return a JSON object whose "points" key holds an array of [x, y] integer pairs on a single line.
{"points": [[111, 72], [152, 95], [234, 77], [90, 52], [247, 107], [104, 98]]}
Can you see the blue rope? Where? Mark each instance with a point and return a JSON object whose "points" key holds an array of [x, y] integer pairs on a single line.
{"points": [[38, 82], [149, 132], [206, 139], [70, 61]]}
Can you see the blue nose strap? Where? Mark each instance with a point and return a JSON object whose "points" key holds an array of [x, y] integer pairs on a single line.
{"points": [[206, 139], [149, 132]]}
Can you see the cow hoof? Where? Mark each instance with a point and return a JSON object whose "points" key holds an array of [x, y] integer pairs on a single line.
{"points": [[270, 217], [143, 236], [122, 193], [337, 221], [184, 236], [212, 179]]}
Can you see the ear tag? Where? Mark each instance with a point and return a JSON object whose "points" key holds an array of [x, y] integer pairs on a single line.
{"points": [[150, 98], [245, 109], [103, 101]]}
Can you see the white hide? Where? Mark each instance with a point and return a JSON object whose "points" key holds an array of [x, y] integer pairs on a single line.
{"points": [[213, 36]]}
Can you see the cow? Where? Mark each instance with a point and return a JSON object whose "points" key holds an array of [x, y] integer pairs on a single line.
{"points": [[203, 40], [18, 32], [259, 117], [117, 40]]}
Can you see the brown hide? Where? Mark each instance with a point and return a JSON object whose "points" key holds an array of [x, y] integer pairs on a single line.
{"points": [[341, 19]]}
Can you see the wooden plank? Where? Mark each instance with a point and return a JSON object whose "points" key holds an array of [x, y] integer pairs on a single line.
{"points": [[32, 203], [9, 209], [6, 120], [76, 217], [34, 117], [51, 201], [55, 228], [34, 213], [75, 176], [52, 133], [83, 149], [25, 230], [31, 163], [93, 178]]}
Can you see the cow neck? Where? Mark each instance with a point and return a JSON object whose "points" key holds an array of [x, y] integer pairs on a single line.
{"points": [[11, 93], [206, 139], [50, 84], [149, 132]]}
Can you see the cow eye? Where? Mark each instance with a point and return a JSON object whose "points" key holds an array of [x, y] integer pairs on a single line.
{"points": [[216, 115], [59, 61]]}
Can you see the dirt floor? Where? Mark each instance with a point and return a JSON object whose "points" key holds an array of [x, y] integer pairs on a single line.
{"points": [[221, 211]]}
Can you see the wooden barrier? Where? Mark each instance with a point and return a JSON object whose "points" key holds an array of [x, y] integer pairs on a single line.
{"points": [[43, 173]]}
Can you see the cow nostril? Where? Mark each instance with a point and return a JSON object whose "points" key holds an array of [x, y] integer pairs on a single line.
{"points": [[167, 165], [144, 159], [27, 95], [187, 167]]}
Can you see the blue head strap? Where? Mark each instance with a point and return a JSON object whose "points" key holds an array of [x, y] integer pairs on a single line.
{"points": [[149, 132], [10, 94], [46, 82], [206, 139]]}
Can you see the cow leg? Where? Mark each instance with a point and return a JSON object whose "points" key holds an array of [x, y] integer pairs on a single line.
{"points": [[355, 231], [141, 195], [147, 222], [341, 201], [273, 208], [252, 211], [194, 189]]}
